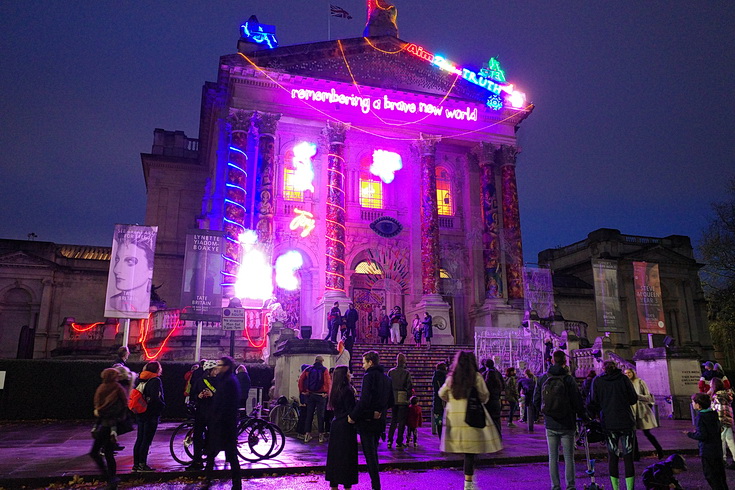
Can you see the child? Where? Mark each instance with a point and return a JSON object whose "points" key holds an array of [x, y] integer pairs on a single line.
{"points": [[413, 420], [418, 330], [710, 443], [661, 475]]}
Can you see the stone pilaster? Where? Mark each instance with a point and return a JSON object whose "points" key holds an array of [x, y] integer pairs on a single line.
{"points": [[511, 222], [492, 263], [266, 125], [429, 216]]}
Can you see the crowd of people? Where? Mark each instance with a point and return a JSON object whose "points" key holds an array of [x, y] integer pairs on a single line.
{"points": [[619, 400]]}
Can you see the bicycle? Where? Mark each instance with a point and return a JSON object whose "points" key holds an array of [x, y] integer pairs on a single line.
{"points": [[181, 444], [257, 438], [285, 415]]}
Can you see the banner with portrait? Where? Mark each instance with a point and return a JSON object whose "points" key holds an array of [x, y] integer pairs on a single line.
{"points": [[130, 276], [607, 297], [539, 291], [201, 287], [648, 298]]}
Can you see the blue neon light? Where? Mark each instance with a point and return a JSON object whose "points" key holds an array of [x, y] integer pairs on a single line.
{"points": [[233, 148], [234, 223], [236, 187], [235, 203], [235, 166]]}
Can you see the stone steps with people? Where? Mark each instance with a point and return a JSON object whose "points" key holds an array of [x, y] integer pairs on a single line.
{"points": [[421, 363]]}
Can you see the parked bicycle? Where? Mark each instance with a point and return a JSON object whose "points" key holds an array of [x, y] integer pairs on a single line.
{"points": [[285, 414]]}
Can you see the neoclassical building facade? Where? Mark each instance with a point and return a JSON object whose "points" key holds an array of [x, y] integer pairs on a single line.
{"points": [[390, 171]]}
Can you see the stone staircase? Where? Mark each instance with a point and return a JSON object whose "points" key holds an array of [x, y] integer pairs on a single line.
{"points": [[421, 364]]}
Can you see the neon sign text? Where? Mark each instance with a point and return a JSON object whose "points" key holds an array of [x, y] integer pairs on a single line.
{"points": [[303, 219], [383, 104]]}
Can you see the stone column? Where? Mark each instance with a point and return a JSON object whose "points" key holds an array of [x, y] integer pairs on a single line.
{"points": [[236, 183], [492, 264], [431, 300], [265, 125], [511, 222], [429, 216], [335, 224]]}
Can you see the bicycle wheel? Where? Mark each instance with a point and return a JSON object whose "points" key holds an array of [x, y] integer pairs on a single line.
{"points": [[255, 439], [285, 417], [182, 443], [279, 441]]}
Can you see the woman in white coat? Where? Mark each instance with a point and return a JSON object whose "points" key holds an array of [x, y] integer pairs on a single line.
{"points": [[458, 436], [643, 412]]}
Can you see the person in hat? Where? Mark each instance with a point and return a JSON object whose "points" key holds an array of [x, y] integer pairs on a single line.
{"points": [[202, 393], [315, 382], [712, 370], [662, 474]]}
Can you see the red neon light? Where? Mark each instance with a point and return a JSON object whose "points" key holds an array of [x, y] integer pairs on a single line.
{"points": [[82, 327], [145, 325], [335, 258], [266, 330]]}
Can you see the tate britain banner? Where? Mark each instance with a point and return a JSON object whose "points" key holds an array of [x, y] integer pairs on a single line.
{"points": [[539, 291], [201, 288], [131, 271], [648, 298], [607, 298]]}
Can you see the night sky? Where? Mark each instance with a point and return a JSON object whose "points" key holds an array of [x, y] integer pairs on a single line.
{"points": [[634, 126]]}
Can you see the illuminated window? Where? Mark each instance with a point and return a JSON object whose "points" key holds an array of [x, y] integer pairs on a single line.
{"points": [[371, 187], [443, 274], [290, 192], [444, 196], [366, 267]]}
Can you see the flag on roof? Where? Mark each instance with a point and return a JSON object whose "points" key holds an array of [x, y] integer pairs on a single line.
{"points": [[339, 12]]}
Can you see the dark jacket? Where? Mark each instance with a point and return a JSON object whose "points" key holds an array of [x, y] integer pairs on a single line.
{"points": [[244, 379], [659, 476], [203, 405], [437, 404], [402, 381], [153, 393], [351, 318], [612, 396], [708, 434], [384, 327], [376, 395], [224, 416], [575, 399], [495, 383]]}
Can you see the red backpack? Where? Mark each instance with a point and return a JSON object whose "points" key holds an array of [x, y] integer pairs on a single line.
{"points": [[137, 402]]}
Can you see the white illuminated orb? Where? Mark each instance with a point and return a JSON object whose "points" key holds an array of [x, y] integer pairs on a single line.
{"points": [[303, 177], [385, 165], [286, 267], [517, 99]]}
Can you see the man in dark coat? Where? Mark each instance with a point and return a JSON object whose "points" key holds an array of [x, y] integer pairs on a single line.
{"points": [[376, 395], [710, 442], [560, 429], [222, 434], [612, 398], [243, 377], [334, 320], [351, 318], [495, 385]]}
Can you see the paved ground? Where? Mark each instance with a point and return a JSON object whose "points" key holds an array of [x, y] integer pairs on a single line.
{"points": [[40, 454]]}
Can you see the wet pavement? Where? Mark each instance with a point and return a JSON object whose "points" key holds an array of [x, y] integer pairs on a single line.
{"points": [[40, 454]]}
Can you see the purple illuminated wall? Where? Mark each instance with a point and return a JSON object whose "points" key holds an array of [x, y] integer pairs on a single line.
{"points": [[429, 217], [335, 235]]}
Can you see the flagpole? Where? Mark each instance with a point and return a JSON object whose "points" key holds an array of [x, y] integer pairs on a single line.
{"points": [[329, 22]]}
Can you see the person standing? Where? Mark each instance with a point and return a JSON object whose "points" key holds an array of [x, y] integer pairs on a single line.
{"points": [[511, 394], [395, 325], [643, 413], [557, 396], [417, 330], [612, 398], [458, 436], [343, 355], [110, 407], [148, 420], [203, 390], [413, 421], [376, 395], [437, 404], [722, 404], [527, 386], [222, 433], [243, 378], [350, 319], [342, 450], [122, 356], [402, 391], [334, 320], [428, 329], [315, 382], [495, 385], [384, 329], [710, 443]]}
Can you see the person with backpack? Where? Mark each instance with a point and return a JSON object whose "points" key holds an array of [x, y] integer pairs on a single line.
{"points": [[495, 386], [402, 391], [557, 397], [613, 397], [147, 395], [110, 407], [315, 382]]}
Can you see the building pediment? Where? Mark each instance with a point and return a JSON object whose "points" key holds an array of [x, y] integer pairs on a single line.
{"points": [[25, 260], [383, 62], [661, 255]]}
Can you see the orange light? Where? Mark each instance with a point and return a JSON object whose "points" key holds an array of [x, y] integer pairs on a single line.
{"points": [[82, 327]]}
